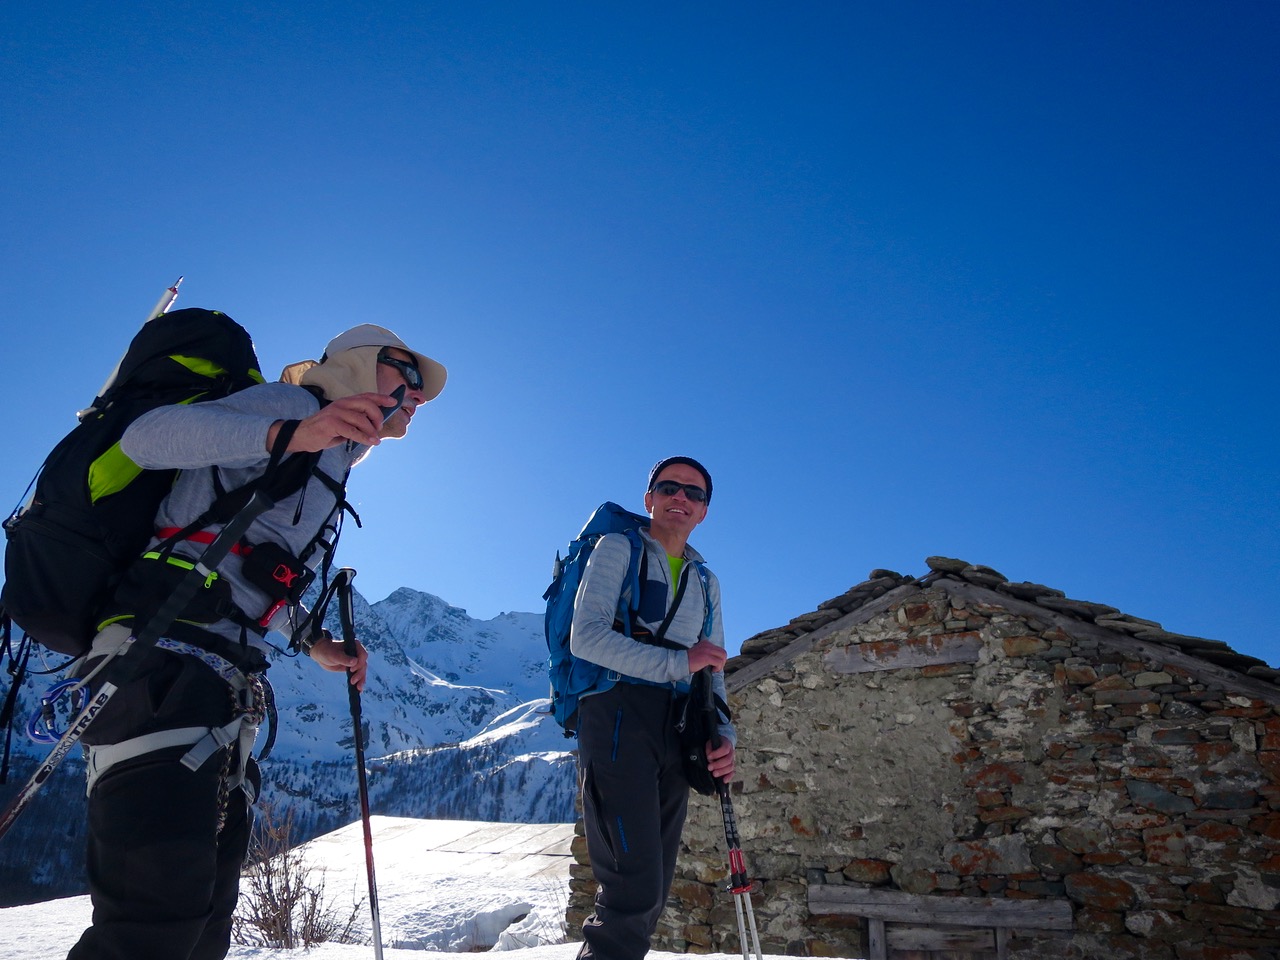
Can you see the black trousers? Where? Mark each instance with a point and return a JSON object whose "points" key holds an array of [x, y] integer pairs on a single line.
{"points": [[634, 799], [163, 878]]}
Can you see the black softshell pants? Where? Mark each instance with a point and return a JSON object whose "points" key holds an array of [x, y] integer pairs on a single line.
{"points": [[634, 798], [163, 880], [162, 877]]}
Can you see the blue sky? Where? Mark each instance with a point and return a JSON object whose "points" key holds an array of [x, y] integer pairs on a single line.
{"points": [[987, 280]]}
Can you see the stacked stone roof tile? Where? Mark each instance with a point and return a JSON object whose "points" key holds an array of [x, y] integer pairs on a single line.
{"points": [[880, 582]]}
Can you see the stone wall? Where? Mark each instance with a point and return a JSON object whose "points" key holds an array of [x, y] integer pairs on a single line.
{"points": [[1060, 763]]}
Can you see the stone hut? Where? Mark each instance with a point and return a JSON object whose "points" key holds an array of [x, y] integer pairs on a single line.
{"points": [[956, 765]]}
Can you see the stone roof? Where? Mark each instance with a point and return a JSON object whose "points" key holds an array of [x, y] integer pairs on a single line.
{"points": [[881, 582]]}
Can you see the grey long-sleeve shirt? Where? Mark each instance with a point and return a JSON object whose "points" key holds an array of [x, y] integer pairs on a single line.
{"points": [[595, 609], [230, 435]]}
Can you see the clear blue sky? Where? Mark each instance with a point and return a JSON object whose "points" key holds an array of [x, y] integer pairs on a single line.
{"points": [[996, 281]]}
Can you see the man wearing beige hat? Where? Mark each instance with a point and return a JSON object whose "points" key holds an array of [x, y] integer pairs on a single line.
{"points": [[171, 779]]}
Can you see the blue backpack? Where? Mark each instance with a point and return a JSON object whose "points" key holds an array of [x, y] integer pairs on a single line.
{"points": [[571, 677]]}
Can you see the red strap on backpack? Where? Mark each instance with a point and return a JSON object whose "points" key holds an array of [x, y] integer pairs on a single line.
{"points": [[203, 536]]}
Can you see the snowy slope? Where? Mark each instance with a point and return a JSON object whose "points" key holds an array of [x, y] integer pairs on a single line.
{"points": [[441, 886]]}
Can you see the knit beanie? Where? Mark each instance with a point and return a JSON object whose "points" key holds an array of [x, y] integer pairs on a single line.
{"points": [[688, 461]]}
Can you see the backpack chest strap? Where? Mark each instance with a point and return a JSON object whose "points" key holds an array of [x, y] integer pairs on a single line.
{"points": [[202, 536]]}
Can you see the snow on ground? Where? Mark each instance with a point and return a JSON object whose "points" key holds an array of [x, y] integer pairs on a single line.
{"points": [[502, 884], [443, 885]]}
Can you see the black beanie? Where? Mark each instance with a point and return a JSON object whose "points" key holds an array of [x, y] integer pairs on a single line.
{"points": [[688, 461]]}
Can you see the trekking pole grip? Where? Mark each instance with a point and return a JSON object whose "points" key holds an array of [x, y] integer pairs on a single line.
{"points": [[713, 722], [346, 613], [708, 706]]}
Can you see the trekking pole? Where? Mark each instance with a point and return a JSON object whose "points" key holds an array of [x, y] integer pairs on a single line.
{"points": [[116, 678], [740, 884], [342, 583]]}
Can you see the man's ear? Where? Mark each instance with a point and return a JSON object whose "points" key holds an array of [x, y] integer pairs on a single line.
{"points": [[648, 504]]}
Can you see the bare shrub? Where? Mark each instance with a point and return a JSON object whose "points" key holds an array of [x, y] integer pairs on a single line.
{"points": [[282, 903]]}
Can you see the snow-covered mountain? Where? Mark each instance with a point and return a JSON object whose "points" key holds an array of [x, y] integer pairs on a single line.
{"points": [[514, 770], [454, 723], [435, 676]]}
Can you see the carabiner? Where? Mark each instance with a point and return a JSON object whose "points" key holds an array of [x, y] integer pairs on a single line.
{"points": [[42, 725]]}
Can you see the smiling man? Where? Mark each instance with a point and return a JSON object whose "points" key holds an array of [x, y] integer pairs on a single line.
{"points": [[171, 779], [634, 789]]}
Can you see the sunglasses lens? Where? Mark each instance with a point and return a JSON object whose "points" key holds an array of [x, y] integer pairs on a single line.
{"points": [[669, 488], [412, 375]]}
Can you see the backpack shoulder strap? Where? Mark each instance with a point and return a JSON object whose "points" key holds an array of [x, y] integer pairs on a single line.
{"points": [[636, 567], [227, 503], [339, 490], [708, 619], [660, 637], [629, 599]]}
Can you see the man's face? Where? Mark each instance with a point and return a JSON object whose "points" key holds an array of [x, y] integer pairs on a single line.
{"points": [[390, 377], [676, 512]]}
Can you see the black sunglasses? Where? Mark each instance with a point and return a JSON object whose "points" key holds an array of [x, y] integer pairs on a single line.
{"points": [[669, 488], [408, 369]]}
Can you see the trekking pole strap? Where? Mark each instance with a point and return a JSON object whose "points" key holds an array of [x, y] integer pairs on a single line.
{"points": [[18, 668], [313, 623]]}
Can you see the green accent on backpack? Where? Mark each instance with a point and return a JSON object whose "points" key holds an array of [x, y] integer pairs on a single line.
{"points": [[111, 473], [93, 509]]}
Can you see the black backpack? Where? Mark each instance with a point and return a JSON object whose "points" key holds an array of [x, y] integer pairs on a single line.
{"points": [[93, 508]]}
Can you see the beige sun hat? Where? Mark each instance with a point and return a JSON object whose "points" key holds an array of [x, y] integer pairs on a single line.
{"points": [[349, 364]]}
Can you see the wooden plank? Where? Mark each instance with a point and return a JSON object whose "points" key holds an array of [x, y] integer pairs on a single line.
{"points": [[877, 946], [907, 937], [895, 905], [510, 865], [430, 835], [761, 668], [483, 838], [533, 837], [557, 845], [1002, 943], [900, 654], [553, 869], [1214, 676]]}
